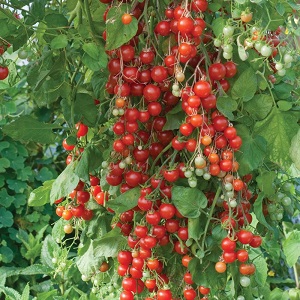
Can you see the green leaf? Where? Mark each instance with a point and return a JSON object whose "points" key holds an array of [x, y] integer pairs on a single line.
{"points": [[98, 82], [295, 150], [35, 270], [110, 244], [90, 160], [58, 229], [11, 293], [59, 42], [85, 109], [6, 254], [278, 294], [6, 218], [205, 274], [16, 185], [261, 272], [175, 118], [252, 152], [125, 201], [278, 129], [4, 164], [226, 106], [56, 20], [188, 201], [284, 105], [259, 106], [27, 128], [65, 183], [265, 182], [242, 90], [283, 90], [49, 250], [89, 262], [95, 57], [44, 174], [118, 33], [25, 294], [258, 210], [217, 25], [291, 246], [41, 195], [6, 199]]}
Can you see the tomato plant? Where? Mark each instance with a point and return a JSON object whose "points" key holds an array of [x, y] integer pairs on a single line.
{"points": [[180, 126]]}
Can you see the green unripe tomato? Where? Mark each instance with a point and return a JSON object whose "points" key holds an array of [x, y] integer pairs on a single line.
{"points": [[294, 294], [22, 54]]}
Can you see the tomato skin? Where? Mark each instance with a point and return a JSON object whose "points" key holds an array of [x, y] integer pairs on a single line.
{"points": [[229, 257], [228, 245], [247, 269], [133, 178], [185, 260], [164, 294], [171, 175], [217, 71], [220, 267], [3, 72], [202, 88], [82, 129], [245, 236], [188, 278], [256, 241], [126, 19], [124, 258], [242, 255], [126, 295], [167, 211]]}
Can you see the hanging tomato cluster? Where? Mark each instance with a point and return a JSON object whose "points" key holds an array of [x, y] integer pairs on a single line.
{"points": [[181, 70]]}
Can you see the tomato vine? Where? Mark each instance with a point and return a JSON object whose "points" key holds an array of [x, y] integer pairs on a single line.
{"points": [[180, 122]]}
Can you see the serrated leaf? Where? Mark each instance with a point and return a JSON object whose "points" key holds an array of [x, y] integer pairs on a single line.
{"points": [[291, 246], [50, 249], [188, 201], [261, 272], [278, 129], [41, 195], [59, 42], [252, 152], [11, 293], [265, 182], [118, 33], [89, 263], [242, 90], [295, 150], [259, 106], [27, 128], [65, 183], [125, 201], [226, 106], [89, 161], [110, 244], [258, 210], [25, 294]]}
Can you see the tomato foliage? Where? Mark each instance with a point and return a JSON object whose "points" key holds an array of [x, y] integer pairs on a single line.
{"points": [[180, 123]]}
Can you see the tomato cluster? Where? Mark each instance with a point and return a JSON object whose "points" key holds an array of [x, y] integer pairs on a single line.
{"points": [[168, 129]]}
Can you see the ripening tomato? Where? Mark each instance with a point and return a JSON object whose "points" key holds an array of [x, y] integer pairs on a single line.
{"points": [[228, 245], [220, 267], [167, 210], [126, 19], [247, 269], [164, 294]]}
